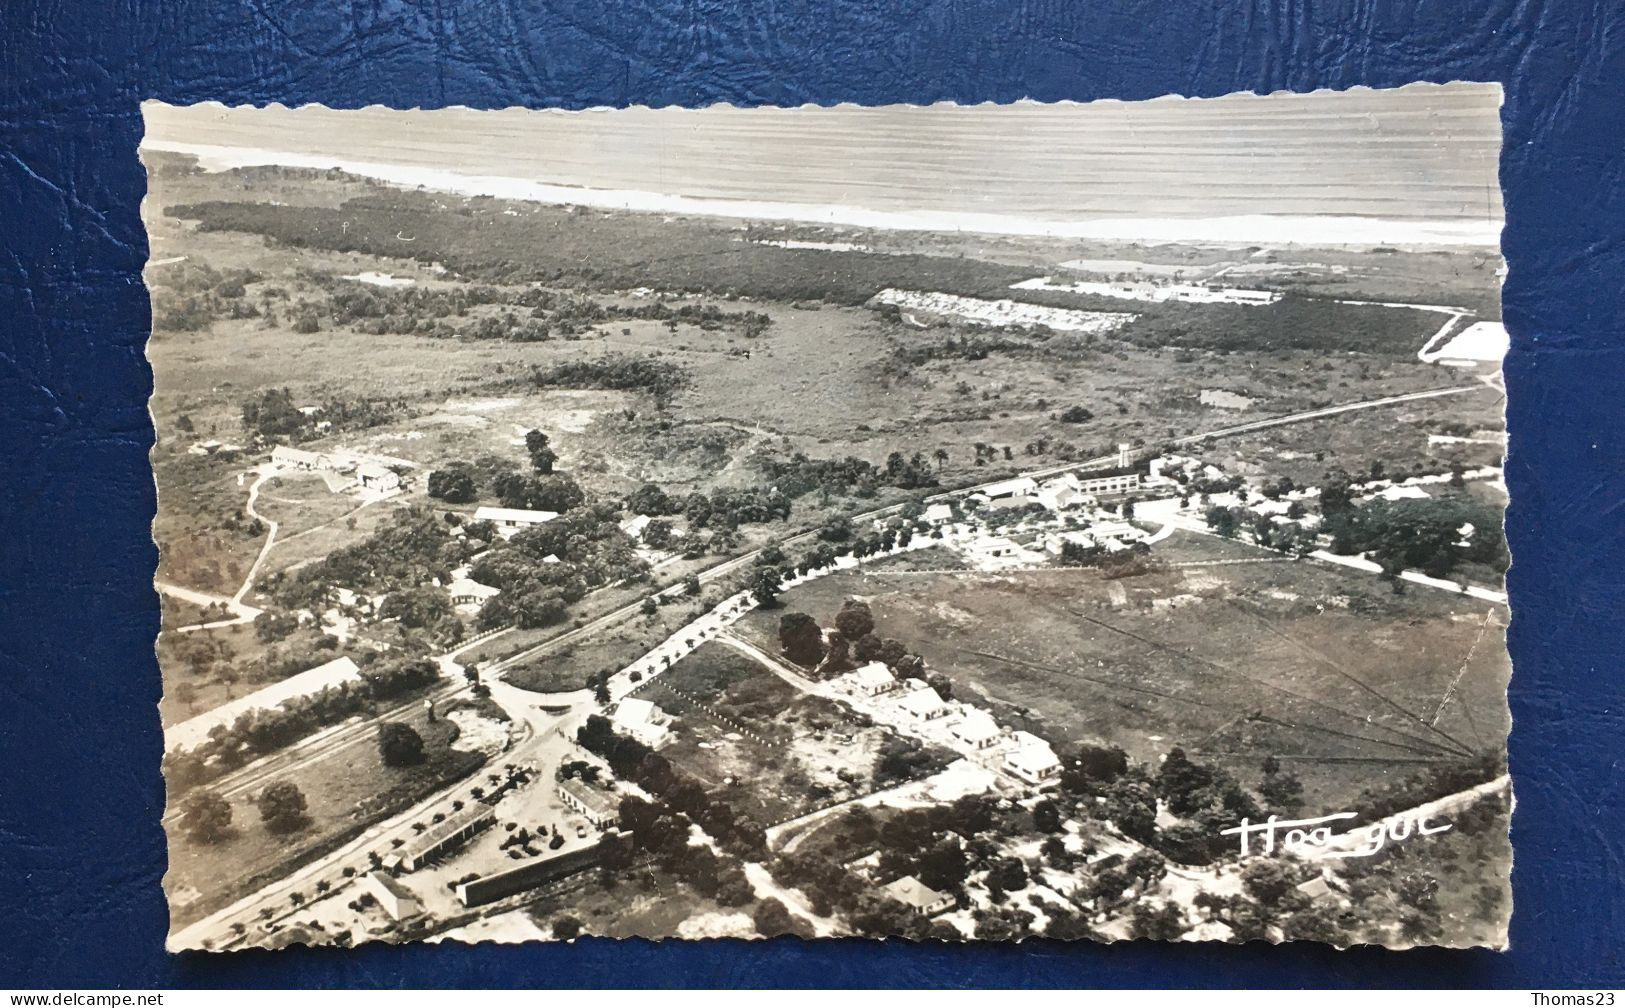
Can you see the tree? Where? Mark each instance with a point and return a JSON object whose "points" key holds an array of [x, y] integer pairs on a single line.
{"points": [[772, 919], [399, 744], [1336, 491], [1157, 921], [567, 928], [1281, 792], [455, 485], [855, 621], [1267, 881], [206, 816], [1047, 816], [801, 638], [1008, 874], [282, 807], [765, 586], [542, 455], [649, 499], [1133, 808]]}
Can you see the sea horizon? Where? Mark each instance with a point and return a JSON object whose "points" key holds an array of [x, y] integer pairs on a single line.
{"points": [[1273, 229]]}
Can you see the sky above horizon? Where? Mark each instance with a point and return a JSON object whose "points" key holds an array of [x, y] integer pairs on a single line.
{"points": [[1422, 153]]}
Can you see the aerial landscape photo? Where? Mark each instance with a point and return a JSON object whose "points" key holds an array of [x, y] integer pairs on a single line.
{"points": [[953, 523]]}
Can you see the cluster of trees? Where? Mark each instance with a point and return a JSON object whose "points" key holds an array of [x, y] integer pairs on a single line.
{"points": [[727, 508], [187, 296], [683, 798], [851, 642], [799, 475], [274, 414], [589, 550], [540, 489], [616, 372], [1427, 534], [414, 547], [257, 732], [1292, 323], [1288, 537], [661, 832]]}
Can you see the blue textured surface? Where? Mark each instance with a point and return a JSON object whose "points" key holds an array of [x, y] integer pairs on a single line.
{"points": [[81, 852]]}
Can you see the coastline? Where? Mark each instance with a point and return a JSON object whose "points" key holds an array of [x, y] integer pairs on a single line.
{"points": [[1271, 229]]}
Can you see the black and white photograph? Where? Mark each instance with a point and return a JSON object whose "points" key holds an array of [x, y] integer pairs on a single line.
{"points": [[960, 523]]}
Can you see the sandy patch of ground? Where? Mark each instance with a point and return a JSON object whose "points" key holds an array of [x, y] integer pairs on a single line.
{"points": [[504, 929], [478, 734], [717, 925]]}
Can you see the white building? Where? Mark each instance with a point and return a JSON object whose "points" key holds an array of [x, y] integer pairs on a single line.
{"points": [[642, 720], [1021, 486], [874, 679], [397, 900], [924, 704], [938, 514], [977, 730], [511, 520], [635, 525], [466, 591], [918, 896], [299, 458], [373, 476], [1032, 760], [1119, 483], [1061, 494]]}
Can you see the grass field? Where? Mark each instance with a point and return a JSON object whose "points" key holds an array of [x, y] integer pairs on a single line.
{"points": [[1232, 660], [346, 792]]}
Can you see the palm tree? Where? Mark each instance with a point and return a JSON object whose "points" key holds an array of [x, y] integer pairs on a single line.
{"points": [[941, 455]]}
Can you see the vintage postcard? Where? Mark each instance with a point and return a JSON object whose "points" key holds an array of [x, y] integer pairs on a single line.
{"points": [[955, 523]]}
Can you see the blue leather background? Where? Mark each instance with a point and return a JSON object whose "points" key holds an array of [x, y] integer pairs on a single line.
{"points": [[81, 852]]}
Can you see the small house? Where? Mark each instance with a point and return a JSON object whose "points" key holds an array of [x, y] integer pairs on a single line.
{"points": [[977, 730], [918, 896], [924, 704], [642, 720], [1032, 760], [397, 900], [874, 679]]}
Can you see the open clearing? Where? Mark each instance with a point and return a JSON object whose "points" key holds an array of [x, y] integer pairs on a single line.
{"points": [[1232, 660]]}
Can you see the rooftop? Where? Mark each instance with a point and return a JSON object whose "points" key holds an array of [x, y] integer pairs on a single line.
{"points": [[599, 801], [498, 514], [913, 892]]}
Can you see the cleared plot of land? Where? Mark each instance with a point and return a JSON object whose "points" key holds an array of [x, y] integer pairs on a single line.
{"points": [[346, 792], [770, 750], [1325, 668]]}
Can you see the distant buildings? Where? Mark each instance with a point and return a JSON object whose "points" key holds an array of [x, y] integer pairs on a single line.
{"points": [[597, 806]]}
